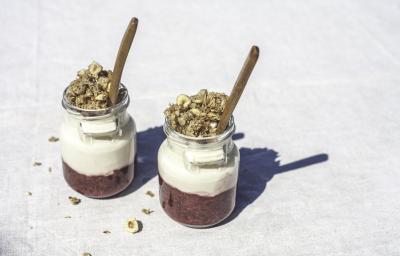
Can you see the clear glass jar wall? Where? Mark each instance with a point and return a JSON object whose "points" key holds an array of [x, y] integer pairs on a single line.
{"points": [[98, 148], [198, 177]]}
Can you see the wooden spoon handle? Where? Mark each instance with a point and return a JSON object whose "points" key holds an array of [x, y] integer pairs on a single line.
{"points": [[121, 58], [237, 90]]}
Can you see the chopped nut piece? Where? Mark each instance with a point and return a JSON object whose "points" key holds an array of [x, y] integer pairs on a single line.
{"points": [[181, 121], [132, 225], [197, 115], [28, 193], [202, 92], [86, 254], [95, 68], [37, 163], [103, 81], [53, 139], [195, 111], [100, 97], [147, 211], [198, 100], [106, 232], [81, 72], [149, 193], [74, 200], [183, 100]]}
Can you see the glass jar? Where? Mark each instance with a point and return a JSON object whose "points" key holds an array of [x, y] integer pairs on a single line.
{"points": [[98, 148], [198, 177]]}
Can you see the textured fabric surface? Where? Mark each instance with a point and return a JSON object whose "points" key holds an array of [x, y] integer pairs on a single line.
{"points": [[318, 124]]}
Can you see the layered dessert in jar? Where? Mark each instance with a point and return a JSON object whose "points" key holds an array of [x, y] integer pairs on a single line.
{"points": [[98, 140], [198, 168]]}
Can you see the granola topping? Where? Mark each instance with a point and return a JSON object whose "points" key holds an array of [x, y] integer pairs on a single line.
{"points": [[90, 90], [197, 115]]}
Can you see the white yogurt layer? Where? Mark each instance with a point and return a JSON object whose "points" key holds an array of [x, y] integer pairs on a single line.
{"points": [[97, 155], [206, 181]]}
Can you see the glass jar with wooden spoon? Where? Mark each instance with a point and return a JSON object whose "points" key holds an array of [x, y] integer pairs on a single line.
{"points": [[98, 136], [98, 140], [198, 163]]}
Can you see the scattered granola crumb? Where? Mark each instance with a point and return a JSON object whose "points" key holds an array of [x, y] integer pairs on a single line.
{"points": [[106, 232], [86, 254], [37, 163], [28, 193], [67, 217], [149, 193], [147, 211], [50, 170], [197, 115], [74, 200], [132, 225], [53, 139]]}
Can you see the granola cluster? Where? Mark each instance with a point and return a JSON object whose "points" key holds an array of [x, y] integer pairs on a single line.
{"points": [[90, 90], [197, 115]]}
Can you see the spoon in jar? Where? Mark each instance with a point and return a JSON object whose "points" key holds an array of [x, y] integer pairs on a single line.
{"points": [[238, 88], [121, 58]]}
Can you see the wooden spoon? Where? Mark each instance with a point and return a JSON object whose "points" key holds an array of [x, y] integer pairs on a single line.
{"points": [[238, 88], [121, 58]]}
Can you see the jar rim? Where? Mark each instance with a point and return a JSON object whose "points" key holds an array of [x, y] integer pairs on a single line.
{"points": [[184, 139], [122, 104]]}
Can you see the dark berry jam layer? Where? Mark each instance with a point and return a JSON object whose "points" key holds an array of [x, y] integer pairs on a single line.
{"points": [[193, 210], [99, 186]]}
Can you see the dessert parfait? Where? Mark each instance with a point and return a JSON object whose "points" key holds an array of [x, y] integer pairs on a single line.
{"points": [[97, 138], [198, 167]]}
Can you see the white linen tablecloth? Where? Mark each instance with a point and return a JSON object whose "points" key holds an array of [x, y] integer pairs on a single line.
{"points": [[318, 124]]}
